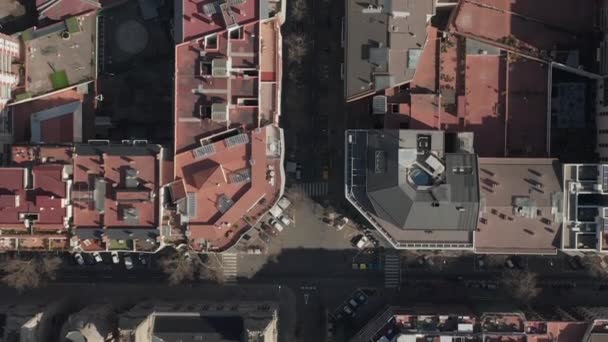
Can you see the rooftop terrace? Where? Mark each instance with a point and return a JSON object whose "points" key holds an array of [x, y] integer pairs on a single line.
{"points": [[521, 200], [383, 44], [60, 55], [499, 96], [532, 28], [62, 9], [201, 17]]}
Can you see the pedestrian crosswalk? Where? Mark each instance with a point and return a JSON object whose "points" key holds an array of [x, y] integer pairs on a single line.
{"points": [[392, 271], [318, 189], [230, 267]]}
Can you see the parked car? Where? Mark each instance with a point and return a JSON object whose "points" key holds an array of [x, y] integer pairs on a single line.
{"points": [[276, 225], [265, 237], [429, 260], [348, 310], [299, 171], [342, 222], [481, 263], [97, 257], [284, 203], [575, 263], [513, 262], [362, 242], [79, 259], [353, 303], [360, 297], [128, 261], [115, 258], [143, 259], [285, 220]]}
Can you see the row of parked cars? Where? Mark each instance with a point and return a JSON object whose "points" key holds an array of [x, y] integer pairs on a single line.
{"points": [[279, 219], [352, 305], [115, 257]]}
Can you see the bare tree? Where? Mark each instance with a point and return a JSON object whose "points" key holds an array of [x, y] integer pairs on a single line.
{"points": [[596, 266], [214, 273], [178, 266], [296, 45], [182, 266], [520, 285], [299, 9], [22, 274], [50, 266]]}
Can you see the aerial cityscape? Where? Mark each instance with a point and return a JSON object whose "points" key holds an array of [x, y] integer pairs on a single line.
{"points": [[303, 170]]}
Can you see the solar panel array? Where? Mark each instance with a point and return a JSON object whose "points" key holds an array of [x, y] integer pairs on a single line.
{"points": [[224, 203], [239, 139], [192, 205], [203, 151], [210, 8], [240, 176]]}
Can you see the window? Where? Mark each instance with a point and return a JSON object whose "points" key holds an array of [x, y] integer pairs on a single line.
{"points": [[603, 145], [603, 131], [211, 42], [236, 33]]}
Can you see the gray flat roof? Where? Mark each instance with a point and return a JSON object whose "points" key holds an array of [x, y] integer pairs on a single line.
{"points": [[380, 35], [49, 53], [446, 209]]}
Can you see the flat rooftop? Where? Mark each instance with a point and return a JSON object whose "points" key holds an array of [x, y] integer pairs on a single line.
{"points": [[521, 199], [53, 119], [207, 16], [500, 97], [384, 41], [55, 59], [528, 27], [28, 155], [415, 187], [63, 9], [115, 186], [225, 182]]}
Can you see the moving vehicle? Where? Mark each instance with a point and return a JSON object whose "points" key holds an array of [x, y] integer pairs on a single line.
{"points": [[115, 258], [79, 259], [128, 261], [97, 257]]}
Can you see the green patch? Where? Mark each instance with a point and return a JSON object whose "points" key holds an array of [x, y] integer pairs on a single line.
{"points": [[27, 34], [72, 25], [23, 96], [121, 245], [59, 79]]}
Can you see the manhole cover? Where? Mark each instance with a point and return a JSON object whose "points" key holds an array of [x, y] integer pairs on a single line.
{"points": [[131, 37]]}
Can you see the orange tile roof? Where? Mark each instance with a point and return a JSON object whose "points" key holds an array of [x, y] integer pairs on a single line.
{"points": [[210, 223]]}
